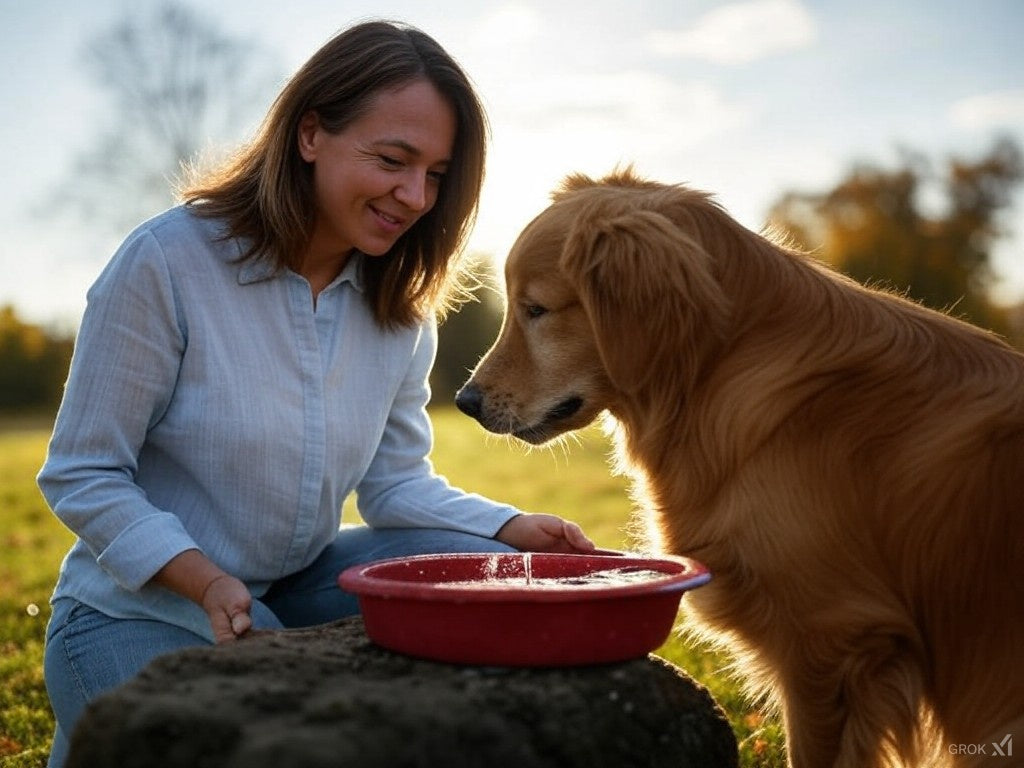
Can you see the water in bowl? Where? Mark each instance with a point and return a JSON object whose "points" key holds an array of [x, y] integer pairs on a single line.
{"points": [[600, 579]]}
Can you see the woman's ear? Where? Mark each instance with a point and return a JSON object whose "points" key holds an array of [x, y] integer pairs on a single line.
{"points": [[309, 127], [650, 294]]}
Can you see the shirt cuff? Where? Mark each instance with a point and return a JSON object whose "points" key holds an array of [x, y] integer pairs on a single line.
{"points": [[143, 548], [493, 522]]}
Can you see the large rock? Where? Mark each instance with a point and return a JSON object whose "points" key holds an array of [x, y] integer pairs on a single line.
{"points": [[327, 696]]}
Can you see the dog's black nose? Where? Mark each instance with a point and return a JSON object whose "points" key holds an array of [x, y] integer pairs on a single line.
{"points": [[470, 400]]}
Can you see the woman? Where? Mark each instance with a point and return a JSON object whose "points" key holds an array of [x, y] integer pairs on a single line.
{"points": [[249, 358]]}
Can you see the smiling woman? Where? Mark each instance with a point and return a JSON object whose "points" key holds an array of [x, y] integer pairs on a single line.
{"points": [[376, 178], [360, 105], [249, 359]]}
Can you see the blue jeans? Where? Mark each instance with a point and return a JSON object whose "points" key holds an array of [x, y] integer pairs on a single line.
{"points": [[88, 652]]}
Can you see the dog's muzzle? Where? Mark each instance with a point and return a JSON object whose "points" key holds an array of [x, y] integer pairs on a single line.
{"points": [[470, 400]]}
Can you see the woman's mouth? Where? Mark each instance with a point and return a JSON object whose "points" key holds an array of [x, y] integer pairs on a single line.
{"points": [[389, 222]]}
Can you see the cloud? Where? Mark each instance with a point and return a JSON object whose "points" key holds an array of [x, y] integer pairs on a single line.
{"points": [[613, 114], [740, 32], [511, 23], [987, 111]]}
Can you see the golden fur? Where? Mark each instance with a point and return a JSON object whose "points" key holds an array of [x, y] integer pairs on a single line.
{"points": [[850, 465]]}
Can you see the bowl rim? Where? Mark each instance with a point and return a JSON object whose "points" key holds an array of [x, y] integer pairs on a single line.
{"points": [[360, 580]]}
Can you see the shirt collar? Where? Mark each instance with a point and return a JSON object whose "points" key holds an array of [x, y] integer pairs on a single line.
{"points": [[262, 268], [353, 272], [255, 269]]}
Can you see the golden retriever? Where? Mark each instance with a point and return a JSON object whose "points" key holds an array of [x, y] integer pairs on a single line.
{"points": [[849, 464]]}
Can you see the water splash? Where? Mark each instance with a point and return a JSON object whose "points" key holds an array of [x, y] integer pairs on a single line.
{"points": [[490, 570], [603, 579]]}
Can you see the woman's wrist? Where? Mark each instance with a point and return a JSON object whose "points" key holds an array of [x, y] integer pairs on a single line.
{"points": [[210, 583], [190, 574], [502, 533]]}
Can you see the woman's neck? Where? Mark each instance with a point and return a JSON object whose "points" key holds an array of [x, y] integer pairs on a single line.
{"points": [[320, 264]]}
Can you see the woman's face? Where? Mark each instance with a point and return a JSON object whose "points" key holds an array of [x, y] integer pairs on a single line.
{"points": [[374, 179]]}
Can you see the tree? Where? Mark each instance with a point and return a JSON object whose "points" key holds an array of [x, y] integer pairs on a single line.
{"points": [[177, 87], [33, 365], [464, 337], [874, 227]]}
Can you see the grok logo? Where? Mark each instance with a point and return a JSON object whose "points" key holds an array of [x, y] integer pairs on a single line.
{"points": [[1005, 744], [1003, 748]]}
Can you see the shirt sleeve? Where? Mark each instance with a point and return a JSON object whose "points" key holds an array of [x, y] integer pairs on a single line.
{"points": [[400, 488], [122, 377]]}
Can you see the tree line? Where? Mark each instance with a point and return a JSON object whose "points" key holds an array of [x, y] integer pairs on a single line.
{"points": [[872, 225], [33, 365]]}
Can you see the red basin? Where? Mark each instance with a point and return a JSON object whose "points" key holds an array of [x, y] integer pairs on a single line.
{"points": [[477, 608]]}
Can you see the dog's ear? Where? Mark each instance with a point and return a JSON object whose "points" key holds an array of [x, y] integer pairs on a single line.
{"points": [[650, 294]]}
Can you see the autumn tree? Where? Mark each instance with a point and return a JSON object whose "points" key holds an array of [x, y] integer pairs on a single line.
{"points": [[877, 227], [33, 365]]}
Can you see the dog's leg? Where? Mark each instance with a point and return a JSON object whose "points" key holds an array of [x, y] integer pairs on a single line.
{"points": [[813, 730], [881, 729], [884, 689], [863, 711]]}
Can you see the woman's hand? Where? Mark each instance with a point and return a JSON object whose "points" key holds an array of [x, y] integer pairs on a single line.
{"points": [[227, 602], [538, 532], [225, 599]]}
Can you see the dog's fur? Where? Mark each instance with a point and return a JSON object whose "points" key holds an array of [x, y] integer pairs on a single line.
{"points": [[849, 464]]}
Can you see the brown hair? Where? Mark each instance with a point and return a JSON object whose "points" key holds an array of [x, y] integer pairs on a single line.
{"points": [[265, 193]]}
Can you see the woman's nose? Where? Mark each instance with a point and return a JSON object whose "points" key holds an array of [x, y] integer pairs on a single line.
{"points": [[412, 192]]}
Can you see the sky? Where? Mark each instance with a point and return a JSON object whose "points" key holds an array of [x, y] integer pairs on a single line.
{"points": [[744, 99]]}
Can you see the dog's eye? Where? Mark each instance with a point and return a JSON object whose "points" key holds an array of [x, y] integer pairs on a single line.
{"points": [[534, 310]]}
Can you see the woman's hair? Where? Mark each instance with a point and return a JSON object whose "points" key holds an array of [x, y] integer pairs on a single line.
{"points": [[265, 193]]}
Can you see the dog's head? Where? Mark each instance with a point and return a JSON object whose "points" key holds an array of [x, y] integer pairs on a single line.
{"points": [[606, 295]]}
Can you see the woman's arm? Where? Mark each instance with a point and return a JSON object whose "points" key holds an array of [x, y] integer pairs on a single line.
{"points": [[123, 374], [401, 489]]}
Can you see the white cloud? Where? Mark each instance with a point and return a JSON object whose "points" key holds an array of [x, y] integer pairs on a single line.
{"points": [[637, 107], [512, 23], [740, 32], [1002, 109]]}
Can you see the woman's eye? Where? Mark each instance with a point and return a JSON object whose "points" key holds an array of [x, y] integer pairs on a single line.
{"points": [[390, 162], [535, 310]]}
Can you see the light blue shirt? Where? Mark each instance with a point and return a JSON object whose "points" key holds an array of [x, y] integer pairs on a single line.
{"points": [[210, 405]]}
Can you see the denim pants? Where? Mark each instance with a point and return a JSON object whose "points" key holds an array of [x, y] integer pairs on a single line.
{"points": [[88, 652]]}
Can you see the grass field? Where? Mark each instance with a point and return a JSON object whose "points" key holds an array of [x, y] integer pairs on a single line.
{"points": [[573, 481]]}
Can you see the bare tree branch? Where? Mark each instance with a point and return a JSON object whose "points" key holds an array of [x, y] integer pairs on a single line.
{"points": [[177, 86]]}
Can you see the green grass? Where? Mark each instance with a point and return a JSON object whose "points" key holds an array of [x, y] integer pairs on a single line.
{"points": [[32, 544], [571, 480]]}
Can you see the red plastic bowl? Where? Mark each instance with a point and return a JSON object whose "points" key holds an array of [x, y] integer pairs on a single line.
{"points": [[468, 608]]}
